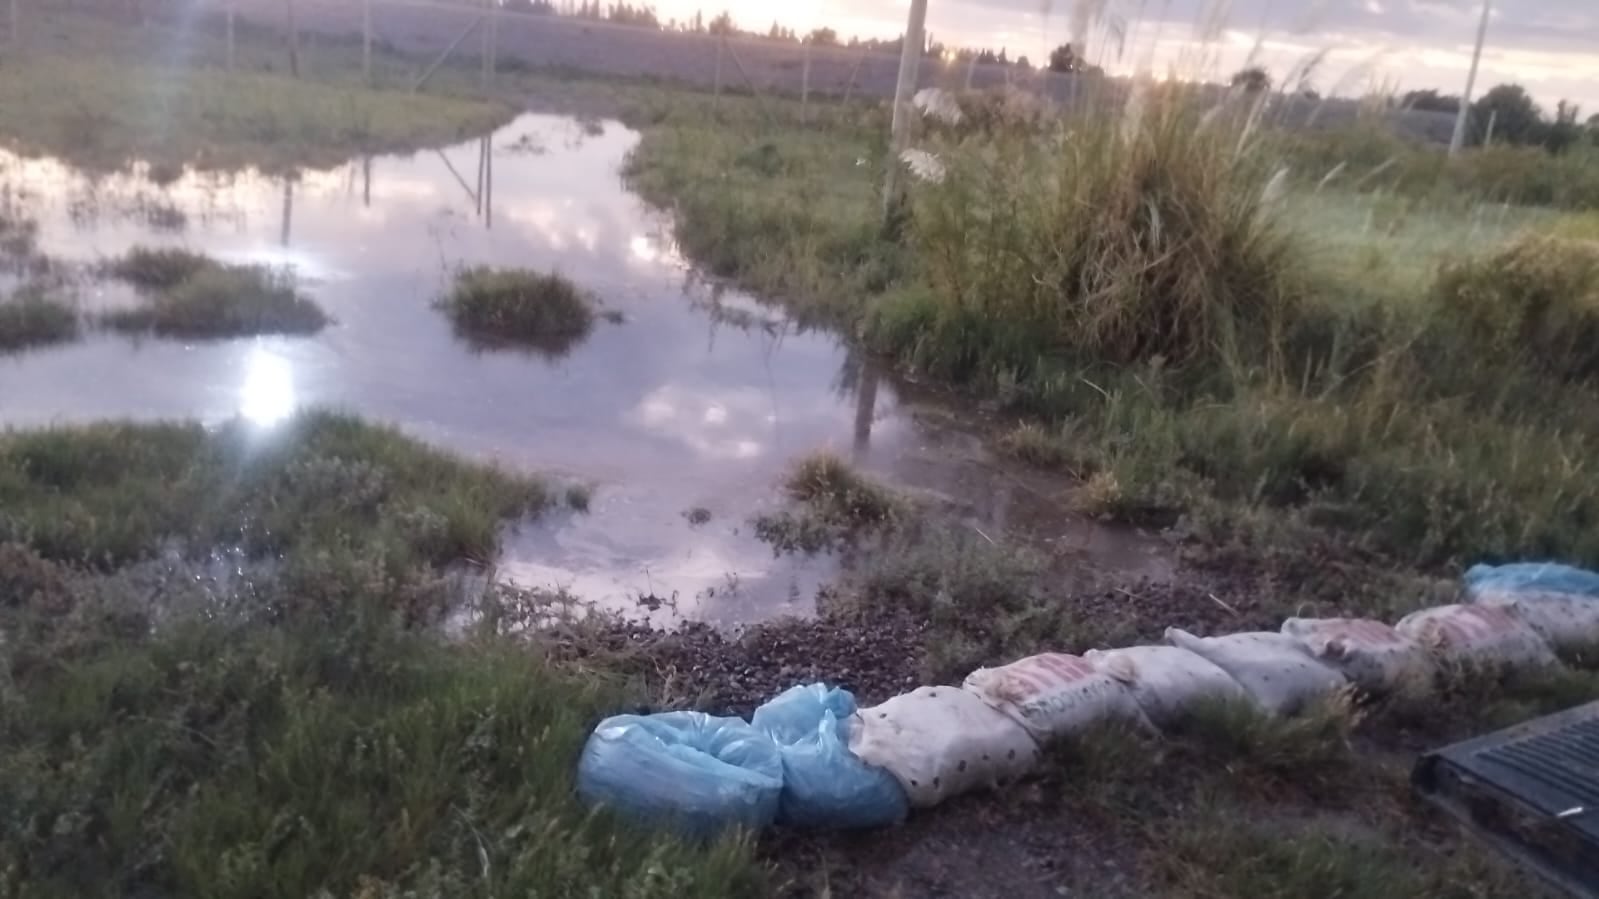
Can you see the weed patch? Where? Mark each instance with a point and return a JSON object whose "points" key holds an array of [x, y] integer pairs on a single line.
{"points": [[185, 294], [36, 316], [519, 307]]}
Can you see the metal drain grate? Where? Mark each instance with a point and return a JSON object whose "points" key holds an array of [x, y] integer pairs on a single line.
{"points": [[1532, 791]]}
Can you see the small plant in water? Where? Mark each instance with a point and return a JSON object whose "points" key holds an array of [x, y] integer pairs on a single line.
{"points": [[545, 311], [698, 515], [579, 497], [34, 316], [215, 300], [158, 269]]}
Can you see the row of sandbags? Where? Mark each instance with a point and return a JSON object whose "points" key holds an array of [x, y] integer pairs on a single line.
{"points": [[810, 758]]}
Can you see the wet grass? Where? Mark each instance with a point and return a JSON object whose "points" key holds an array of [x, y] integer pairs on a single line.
{"points": [[36, 316], [834, 505], [184, 294], [107, 494], [1353, 403], [518, 307], [159, 735]]}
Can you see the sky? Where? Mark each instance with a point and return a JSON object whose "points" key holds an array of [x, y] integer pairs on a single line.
{"points": [[1549, 46]]}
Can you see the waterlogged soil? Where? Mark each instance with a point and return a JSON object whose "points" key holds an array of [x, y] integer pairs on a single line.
{"points": [[697, 398]]}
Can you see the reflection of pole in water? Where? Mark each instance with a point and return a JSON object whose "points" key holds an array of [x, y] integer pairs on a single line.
{"points": [[488, 182], [865, 408], [288, 207], [482, 164], [366, 182]]}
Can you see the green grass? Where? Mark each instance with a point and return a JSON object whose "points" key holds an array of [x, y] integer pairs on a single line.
{"points": [[107, 494], [834, 505], [36, 316], [99, 94], [184, 294], [1279, 371], [545, 311], [205, 749]]}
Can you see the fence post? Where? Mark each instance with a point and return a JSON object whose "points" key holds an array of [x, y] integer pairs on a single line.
{"points": [[716, 95], [366, 41], [910, 59], [294, 41], [805, 86]]}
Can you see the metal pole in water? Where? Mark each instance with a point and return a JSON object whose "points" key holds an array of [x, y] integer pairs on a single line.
{"points": [[1459, 140], [294, 41], [483, 48], [366, 41], [910, 58]]}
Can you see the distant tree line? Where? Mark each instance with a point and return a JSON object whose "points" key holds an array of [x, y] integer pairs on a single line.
{"points": [[1507, 114]]}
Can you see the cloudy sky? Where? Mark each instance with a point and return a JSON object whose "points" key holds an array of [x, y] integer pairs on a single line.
{"points": [[1550, 46]]}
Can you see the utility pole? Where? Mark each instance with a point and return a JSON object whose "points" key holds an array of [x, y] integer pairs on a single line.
{"points": [[1459, 140], [910, 58]]}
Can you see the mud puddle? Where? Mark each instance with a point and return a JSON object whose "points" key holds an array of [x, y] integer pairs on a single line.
{"points": [[693, 406]]}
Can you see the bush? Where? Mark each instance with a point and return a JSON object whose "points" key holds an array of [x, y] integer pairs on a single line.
{"points": [[1533, 304], [158, 269], [517, 306]]}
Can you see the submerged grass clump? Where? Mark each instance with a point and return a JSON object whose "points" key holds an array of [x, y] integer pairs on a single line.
{"points": [[835, 505], [545, 311], [107, 494], [185, 294], [36, 316]]}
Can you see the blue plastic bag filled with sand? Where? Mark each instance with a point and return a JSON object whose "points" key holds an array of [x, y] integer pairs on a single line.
{"points": [[700, 774], [824, 784], [1532, 577]]}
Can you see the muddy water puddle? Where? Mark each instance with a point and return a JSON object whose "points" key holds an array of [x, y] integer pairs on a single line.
{"points": [[693, 404]]}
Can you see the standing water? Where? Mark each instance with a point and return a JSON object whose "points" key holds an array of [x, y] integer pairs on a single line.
{"points": [[697, 399]]}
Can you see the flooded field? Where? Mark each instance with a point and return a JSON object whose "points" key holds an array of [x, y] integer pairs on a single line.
{"points": [[693, 401]]}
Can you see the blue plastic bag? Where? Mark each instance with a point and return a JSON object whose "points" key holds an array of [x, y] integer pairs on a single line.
{"points": [[1521, 577], [698, 773], [824, 784]]}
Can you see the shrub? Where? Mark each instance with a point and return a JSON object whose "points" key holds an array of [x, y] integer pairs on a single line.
{"points": [[1534, 304], [544, 311]]}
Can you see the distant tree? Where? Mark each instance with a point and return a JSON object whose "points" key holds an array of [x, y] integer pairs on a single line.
{"points": [[699, 22], [1254, 79], [1564, 132], [541, 7], [1515, 116], [1065, 59], [723, 24], [822, 37], [1431, 101], [1023, 63]]}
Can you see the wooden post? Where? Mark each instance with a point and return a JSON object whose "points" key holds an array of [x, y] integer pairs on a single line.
{"points": [[805, 86], [910, 59], [1459, 139], [483, 47], [294, 40], [366, 41], [716, 95]]}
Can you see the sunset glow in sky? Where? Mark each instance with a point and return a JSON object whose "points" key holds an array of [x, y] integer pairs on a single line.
{"points": [[1549, 46]]}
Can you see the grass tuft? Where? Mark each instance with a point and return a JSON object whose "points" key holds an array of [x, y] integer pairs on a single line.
{"points": [[520, 307], [36, 316], [185, 294]]}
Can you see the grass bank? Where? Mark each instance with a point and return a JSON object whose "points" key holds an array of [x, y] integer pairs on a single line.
{"points": [[101, 93], [1181, 325], [184, 294]]}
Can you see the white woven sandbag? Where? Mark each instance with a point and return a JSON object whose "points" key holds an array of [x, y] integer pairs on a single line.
{"points": [[1165, 681], [1480, 636], [1055, 695], [1275, 670], [940, 742], [1568, 622], [1371, 654]]}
